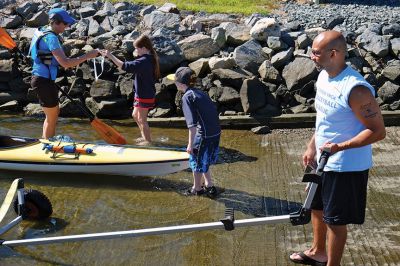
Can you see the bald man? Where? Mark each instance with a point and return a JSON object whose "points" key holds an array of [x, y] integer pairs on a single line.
{"points": [[348, 122]]}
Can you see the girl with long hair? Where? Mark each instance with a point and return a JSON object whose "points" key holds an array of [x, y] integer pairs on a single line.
{"points": [[146, 71]]}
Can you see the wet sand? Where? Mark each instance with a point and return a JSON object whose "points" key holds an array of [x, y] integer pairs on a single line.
{"points": [[261, 176]]}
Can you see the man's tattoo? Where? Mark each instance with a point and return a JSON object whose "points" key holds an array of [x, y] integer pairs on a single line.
{"points": [[367, 110]]}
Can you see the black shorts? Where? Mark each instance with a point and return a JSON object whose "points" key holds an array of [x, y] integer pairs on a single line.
{"points": [[342, 197], [46, 91]]}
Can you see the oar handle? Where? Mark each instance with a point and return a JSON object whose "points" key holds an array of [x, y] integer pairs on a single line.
{"points": [[322, 161], [84, 109]]}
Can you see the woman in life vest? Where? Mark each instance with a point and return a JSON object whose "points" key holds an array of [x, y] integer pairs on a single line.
{"points": [[47, 55], [146, 70]]}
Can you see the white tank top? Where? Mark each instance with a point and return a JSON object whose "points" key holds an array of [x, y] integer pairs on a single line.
{"points": [[336, 121]]}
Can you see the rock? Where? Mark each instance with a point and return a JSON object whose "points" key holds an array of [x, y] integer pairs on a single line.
{"points": [[88, 11], [392, 29], [249, 56], [252, 95], [69, 109], [198, 46], [11, 106], [264, 28], [299, 72], [236, 34], [27, 8], [218, 35], [232, 78], [333, 21], [229, 96], [268, 73], [122, 6], [391, 71], [103, 89], [276, 44], [169, 8], [11, 22], [147, 10], [200, 67], [125, 85], [158, 19], [95, 29], [261, 130], [395, 47], [39, 19], [370, 41], [389, 92], [8, 70], [33, 109], [303, 41], [281, 59], [169, 53], [160, 112], [113, 108], [225, 62]]}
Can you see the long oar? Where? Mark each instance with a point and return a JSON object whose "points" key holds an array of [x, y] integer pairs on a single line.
{"points": [[109, 134]]}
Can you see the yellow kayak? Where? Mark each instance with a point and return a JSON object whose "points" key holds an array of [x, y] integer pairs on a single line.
{"points": [[40, 155]]}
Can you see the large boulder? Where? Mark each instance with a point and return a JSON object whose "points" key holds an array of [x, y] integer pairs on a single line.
{"points": [[8, 70], [249, 56], [392, 70], [103, 89], [236, 34], [299, 72], [169, 53], [112, 108], [158, 19], [264, 28], [39, 19], [230, 77], [198, 46], [252, 95], [389, 92]]}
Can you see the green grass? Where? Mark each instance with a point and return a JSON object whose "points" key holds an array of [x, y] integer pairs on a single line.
{"points": [[245, 7]]}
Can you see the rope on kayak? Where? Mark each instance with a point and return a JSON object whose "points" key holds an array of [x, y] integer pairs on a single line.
{"points": [[58, 149]]}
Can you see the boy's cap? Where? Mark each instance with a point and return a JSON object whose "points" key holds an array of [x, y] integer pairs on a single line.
{"points": [[61, 14], [182, 75]]}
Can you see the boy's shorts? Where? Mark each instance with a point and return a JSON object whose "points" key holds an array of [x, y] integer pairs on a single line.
{"points": [[205, 153], [342, 196], [46, 91]]}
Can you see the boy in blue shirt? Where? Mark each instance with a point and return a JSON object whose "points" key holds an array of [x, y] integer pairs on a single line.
{"points": [[47, 55], [204, 131]]}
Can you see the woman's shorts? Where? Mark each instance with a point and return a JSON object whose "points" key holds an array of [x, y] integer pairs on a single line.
{"points": [[342, 196], [46, 91], [144, 103], [205, 153]]}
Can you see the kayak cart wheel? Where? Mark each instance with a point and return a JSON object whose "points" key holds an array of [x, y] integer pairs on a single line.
{"points": [[37, 205]]}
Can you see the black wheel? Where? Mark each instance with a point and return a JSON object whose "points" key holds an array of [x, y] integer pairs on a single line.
{"points": [[37, 205]]}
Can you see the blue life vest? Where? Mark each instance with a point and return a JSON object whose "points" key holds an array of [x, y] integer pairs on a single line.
{"points": [[44, 64]]}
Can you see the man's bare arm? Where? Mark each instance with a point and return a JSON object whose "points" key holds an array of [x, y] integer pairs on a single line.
{"points": [[367, 110]]}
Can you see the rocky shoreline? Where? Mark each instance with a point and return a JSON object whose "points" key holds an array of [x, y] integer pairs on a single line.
{"points": [[257, 65]]}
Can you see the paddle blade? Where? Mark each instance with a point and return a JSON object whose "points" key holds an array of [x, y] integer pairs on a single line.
{"points": [[109, 134], [6, 40]]}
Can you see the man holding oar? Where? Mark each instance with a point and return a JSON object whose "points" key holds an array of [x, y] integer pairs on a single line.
{"points": [[47, 55], [348, 122]]}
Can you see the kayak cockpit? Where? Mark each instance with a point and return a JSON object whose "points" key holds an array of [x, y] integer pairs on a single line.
{"points": [[7, 142]]}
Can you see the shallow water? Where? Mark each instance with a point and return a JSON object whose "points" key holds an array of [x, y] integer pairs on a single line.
{"points": [[260, 175]]}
